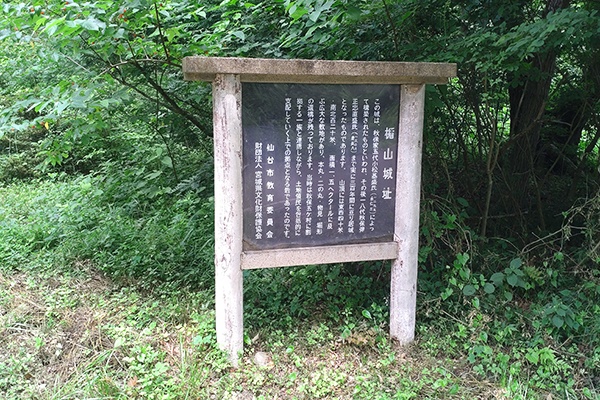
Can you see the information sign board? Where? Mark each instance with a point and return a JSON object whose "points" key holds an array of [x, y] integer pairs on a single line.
{"points": [[319, 164], [316, 162]]}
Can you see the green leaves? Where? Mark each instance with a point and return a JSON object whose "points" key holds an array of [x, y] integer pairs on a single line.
{"points": [[497, 278], [513, 275], [353, 12], [566, 29], [76, 63], [512, 280], [167, 161], [469, 283], [557, 315], [489, 288], [469, 290], [239, 34], [296, 10], [92, 24]]}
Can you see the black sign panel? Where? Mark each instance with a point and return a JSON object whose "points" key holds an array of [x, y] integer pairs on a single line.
{"points": [[319, 164]]}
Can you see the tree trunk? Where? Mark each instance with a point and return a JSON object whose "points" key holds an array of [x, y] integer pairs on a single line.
{"points": [[527, 105]]}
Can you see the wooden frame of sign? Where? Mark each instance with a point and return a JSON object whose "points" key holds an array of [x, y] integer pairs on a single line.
{"points": [[233, 253]]}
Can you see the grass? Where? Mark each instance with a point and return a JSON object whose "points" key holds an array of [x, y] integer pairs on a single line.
{"points": [[80, 335], [109, 299]]}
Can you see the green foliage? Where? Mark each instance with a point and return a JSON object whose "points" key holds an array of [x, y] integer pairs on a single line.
{"points": [[94, 62], [154, 381], [105, 159], [329, 289], [76, 223], [57, 224]]}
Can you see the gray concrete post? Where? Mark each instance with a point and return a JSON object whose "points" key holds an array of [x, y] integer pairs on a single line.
{"points": [[403, 291], [227, 125]]}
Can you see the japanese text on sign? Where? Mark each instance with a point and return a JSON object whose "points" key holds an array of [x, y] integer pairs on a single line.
{"points": [[319, 164]]}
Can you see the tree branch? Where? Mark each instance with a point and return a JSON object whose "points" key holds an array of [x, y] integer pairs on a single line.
{"points": [[171, 103], [394, 34], [162, 37]]}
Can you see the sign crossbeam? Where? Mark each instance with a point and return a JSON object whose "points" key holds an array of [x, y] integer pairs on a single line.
{"points": [[317, 71], [318, 255], [235, 247]]}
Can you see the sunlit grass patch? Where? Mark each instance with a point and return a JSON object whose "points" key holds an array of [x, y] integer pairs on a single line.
{"points": [[75, 336]]}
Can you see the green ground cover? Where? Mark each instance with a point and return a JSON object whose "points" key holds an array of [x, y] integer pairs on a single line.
{"points": [[97, 301], [106, 207]]}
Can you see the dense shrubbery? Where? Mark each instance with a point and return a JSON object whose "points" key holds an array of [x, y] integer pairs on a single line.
{"points": [[128, 215]]}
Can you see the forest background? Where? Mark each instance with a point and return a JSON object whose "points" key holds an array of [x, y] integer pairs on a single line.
{"points": [[106, 207]]}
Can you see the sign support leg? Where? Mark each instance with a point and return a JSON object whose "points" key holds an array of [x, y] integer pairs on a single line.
{"points": [[227, 126], [403, 291]]}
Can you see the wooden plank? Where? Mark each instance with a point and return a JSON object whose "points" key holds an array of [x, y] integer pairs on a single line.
{"points": [[403, 285], [227, 127], [317, 71], [318, 255]]}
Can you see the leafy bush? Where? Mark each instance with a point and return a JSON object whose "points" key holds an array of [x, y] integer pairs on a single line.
{"points": [[81, 219], [327, 291]]}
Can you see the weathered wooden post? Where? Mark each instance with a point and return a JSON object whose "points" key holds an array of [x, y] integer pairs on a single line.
{"points": [[227, 128], [350, 130], [403, 290]]}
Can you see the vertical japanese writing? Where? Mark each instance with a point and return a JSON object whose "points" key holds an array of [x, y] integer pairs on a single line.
{"points": [[374, 166], [310, 132], [323, 164], [270, 191], [353, 167], [374, 181], [341, 208], [376, 112], [331, 166], [258, 191], [287, 164], [321, 201], [364, 164], [299, 149], [342, 164], [343, 133], [299, 138], [322, 127], [309, 205], [388, 157]]}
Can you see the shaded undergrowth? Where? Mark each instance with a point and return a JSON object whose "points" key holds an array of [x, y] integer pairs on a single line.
{"points": [[108, 297]]}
